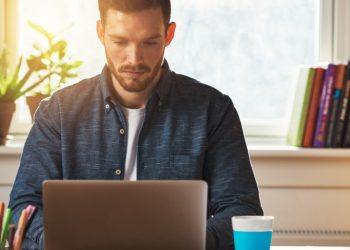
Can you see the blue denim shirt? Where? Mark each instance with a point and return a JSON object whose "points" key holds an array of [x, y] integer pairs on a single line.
{"points": [[190, 131]]}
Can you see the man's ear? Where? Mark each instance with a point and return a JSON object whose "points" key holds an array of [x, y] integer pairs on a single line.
{"points": [[100, 31], [170, 33]]}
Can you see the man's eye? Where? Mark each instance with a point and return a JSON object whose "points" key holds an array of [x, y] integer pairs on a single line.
{"points": [[150, 43], [121, 43]]}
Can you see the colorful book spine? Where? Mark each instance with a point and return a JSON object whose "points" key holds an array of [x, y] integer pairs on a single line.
{"points": [[325, 104], [2, 212], [346, 143], [344, 107], [313, 107], [301, 104], [335, 107]]}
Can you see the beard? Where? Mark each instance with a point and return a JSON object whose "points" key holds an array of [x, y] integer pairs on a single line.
{"points": [[135, 84]]}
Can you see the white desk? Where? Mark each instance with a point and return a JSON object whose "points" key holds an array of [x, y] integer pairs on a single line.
{"points": [[307, 248]]}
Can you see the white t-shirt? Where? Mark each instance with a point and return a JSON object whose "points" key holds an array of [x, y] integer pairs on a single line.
{"points": [[135, 118]]}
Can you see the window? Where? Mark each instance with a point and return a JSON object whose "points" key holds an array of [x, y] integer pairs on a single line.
{"points": [[248, 49]]}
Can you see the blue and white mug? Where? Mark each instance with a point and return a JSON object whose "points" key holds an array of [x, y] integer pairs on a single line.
{"points": [[252, 232]]}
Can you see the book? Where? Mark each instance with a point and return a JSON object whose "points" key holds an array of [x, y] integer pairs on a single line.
{"points": [[325, 104], [346, 137], [346, 143], [313, 107], [343, 109], [335, 107], [301, 103]]}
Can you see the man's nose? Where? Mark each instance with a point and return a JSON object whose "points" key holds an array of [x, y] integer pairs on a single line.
{"points": [[135, 54]]}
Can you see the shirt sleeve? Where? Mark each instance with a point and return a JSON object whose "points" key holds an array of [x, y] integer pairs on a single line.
{"points": [[41, 160], [228, 171]]}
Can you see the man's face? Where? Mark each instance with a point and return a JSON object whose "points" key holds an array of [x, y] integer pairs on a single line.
{"points": [[134, 46]]}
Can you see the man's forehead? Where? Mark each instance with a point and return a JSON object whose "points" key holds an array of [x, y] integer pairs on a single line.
{"points": [[154, 13], [146, 21]]}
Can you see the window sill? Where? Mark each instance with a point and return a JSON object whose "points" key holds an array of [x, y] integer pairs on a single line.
{"points": [[277, 147], [14, 146], [257, 146]]}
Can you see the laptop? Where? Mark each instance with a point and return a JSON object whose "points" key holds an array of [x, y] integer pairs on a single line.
{"points": [[104, 214]]}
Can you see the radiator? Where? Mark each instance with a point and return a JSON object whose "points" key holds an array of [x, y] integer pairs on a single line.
{"points": [[314, 237]]}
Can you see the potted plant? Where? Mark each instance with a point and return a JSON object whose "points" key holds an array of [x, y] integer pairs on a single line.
{"points": [[58, 65], [12, 86]]}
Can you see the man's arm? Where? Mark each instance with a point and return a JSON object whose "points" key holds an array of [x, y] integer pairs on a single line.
{"points": [[41, 160], [232, 186]]}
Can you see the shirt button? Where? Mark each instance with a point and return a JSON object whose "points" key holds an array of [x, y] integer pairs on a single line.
{"points": [[118, 172], [107, 106], [122, 131]]}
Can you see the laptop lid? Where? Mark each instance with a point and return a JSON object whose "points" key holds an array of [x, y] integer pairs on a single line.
{"points": [[94, 214]]}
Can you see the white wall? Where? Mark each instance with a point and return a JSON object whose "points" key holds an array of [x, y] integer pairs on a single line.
{"points": [[308, 192], [9, 162]]}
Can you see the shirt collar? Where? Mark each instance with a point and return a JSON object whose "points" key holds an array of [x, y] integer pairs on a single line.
{"points": [[164, 84], [162, 88]]}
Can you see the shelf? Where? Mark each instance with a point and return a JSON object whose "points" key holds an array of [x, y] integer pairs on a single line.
{"points": [[290, 151], [267, 147]]}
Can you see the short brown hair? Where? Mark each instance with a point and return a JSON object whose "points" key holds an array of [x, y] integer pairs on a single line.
{"points": [[134, 6]]}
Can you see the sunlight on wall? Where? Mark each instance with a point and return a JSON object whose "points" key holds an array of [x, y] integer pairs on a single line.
{"points": [[75, 21]]}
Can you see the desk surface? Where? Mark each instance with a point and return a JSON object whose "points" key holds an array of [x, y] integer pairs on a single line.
{"points": [[307, 248]]}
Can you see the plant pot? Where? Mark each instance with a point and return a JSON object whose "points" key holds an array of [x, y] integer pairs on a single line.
{"points": [[33, 103], [6, 112]]}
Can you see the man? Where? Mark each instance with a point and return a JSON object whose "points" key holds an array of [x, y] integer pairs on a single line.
{"points": [[139, 120]]}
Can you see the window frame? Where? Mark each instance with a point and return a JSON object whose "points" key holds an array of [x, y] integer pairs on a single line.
{"points": [[333, 36], [341, 31], [10, 37], [9, 28], [2, 22]]}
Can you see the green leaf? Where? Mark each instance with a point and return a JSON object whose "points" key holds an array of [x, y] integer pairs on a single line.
{"points": [[10, 88], [41, 30], [38, 47], [59, 46], [4, 82], [14, 80], [72, 75], [32, 86], [3, 64], [76, 64]]}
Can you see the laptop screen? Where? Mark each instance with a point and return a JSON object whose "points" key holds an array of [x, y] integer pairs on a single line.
{"points": [[94, 214]]}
